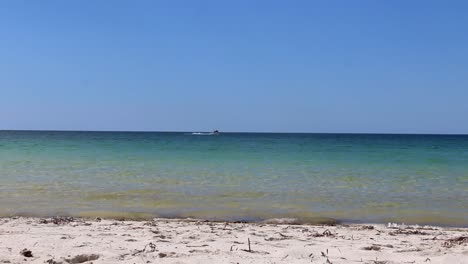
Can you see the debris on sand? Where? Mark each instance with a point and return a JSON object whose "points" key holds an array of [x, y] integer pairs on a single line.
{"points": [[408, 232], [27, 253], [455, 241], [326, 233], [58, 220], [52, 261], [373, 247], [82, 258]]}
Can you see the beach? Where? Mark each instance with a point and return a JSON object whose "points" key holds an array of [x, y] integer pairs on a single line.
{"points": [[77, 240]]}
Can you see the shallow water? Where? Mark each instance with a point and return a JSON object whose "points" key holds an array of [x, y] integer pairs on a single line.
{"points": [[236, 176]]}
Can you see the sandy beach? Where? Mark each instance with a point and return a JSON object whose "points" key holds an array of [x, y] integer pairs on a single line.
{"points": [[69, 240]]}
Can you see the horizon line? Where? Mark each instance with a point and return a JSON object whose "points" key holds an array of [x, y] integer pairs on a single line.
{"points": [[228, 132]]}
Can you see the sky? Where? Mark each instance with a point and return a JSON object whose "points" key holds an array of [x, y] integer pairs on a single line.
{"points": [[256, 66]]}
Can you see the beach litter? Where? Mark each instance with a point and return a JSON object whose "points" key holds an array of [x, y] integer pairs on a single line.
{"points": [[27, 253], [82, 258], [455, 241]]}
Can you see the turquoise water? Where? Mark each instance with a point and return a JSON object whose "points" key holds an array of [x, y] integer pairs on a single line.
{"points": [[236, 176]]}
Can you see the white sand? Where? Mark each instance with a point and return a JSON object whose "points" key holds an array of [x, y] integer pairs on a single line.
{"points": [[178, 241]]}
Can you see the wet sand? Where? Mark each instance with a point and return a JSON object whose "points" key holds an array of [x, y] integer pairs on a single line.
{"points": [[68, 240]]}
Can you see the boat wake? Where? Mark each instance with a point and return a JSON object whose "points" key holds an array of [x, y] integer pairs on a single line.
{"points": [[216, 132], [203, 134]]}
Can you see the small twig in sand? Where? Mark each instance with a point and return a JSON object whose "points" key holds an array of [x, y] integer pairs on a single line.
{"points": [[204, 245], [250, 249], [285, 236]]}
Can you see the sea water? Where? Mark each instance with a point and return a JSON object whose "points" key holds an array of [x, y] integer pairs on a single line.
{"points": [[419, 179]]}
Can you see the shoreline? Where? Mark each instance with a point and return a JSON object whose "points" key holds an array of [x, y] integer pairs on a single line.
{"points": [[292, 220], [63, 240]]}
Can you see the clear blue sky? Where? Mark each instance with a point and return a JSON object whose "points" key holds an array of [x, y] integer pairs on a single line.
{"points": [[290, 66]]}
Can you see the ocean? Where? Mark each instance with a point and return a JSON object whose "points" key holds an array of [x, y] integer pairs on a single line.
{"points": [[375, 178]]}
